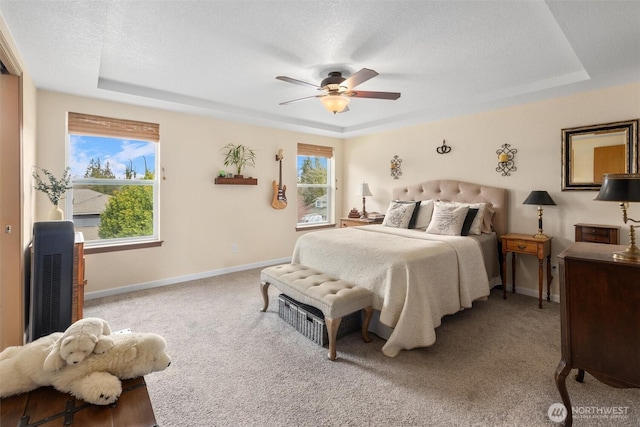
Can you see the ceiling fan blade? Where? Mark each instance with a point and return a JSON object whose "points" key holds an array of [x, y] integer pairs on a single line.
{"points": [[301, 99], [359, 78], [369, 94], [297, 82], [345, 110]]}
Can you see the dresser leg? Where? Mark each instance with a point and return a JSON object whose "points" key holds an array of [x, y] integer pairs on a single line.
{"points": [[562, 371], [580, 375]]}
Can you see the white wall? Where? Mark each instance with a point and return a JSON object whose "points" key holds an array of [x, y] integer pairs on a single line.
{"points": [[533, 129], [199, 221]]}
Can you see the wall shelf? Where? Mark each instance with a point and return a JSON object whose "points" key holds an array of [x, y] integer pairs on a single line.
{"points": [[237, 181]]}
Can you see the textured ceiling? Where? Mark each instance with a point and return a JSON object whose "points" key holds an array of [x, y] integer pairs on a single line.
{"points": [[220, 58]]}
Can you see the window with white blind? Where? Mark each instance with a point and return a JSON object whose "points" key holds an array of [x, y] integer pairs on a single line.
{"points": [[315, 193], [114, 174]]}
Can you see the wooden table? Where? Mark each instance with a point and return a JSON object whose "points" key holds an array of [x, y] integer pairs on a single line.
{"points": [[526, 244], [47, 407]]}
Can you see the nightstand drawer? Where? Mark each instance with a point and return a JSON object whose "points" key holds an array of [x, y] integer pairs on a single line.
{"points": [[522, 246]]}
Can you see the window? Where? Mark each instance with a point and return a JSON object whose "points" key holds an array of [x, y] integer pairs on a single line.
{"points": [[315, 171], [114, 164]]}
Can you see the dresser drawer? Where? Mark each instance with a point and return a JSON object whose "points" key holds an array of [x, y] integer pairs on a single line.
{"points": [[522, 246], [596, 238], [595, 231]]}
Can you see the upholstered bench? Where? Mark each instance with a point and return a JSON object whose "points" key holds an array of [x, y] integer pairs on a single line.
{"points": [[334, 297]]}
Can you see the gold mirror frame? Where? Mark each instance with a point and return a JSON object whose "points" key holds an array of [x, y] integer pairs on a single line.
{"points": [[579, 146]]}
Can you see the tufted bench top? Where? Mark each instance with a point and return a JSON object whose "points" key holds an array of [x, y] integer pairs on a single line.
{"points": [[334, 297]]}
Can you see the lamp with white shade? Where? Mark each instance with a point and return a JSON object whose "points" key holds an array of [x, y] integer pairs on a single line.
{"points": [[363, 190], [623, 188]]}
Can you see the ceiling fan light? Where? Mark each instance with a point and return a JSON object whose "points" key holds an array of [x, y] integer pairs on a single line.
{"points": [[335, 103]]}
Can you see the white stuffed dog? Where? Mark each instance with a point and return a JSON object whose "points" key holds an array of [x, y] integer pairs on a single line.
{"points": [[96, 379], [82, 338]]}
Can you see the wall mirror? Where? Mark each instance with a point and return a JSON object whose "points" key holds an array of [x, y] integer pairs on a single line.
{"points": [[588, 152]]}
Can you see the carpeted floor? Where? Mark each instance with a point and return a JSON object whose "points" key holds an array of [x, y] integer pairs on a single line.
{"points": [[233, 365]]}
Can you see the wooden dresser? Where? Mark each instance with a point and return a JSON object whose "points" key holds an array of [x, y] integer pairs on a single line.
{"points": [[77, 302], [600, 317]]}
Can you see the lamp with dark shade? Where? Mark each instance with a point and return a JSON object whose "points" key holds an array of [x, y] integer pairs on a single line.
{"points": [[540, 198], [623, 188], [363, 190]]}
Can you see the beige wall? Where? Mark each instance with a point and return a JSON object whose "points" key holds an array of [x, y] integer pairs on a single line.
{"points": [[199, 221], [533, 129]]}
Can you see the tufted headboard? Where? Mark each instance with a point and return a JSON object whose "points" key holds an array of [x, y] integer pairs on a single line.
{"points": [[458, 191]]}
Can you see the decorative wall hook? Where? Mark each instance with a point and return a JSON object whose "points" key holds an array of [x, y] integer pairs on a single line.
{"points": [[396, 171], [444, 148], [506, 164]]}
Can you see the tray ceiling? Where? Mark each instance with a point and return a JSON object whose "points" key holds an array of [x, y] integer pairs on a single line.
{"points": [[220, 58]]}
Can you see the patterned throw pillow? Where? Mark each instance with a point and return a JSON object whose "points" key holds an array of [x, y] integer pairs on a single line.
{"points": [[447, 219], [399, 214]]}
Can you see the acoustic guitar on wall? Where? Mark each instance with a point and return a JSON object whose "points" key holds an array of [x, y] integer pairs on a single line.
{"points": [[279, 197]]}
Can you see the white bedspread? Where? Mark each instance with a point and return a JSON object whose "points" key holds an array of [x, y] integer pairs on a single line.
{"points": [[417, 278]]}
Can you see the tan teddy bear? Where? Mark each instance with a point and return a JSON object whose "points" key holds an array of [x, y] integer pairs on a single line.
{"points": [[96, 379], [82, 338]]}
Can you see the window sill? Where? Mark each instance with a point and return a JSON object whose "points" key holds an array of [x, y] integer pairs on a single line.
{"points": [[122, 247], [314, 227]]}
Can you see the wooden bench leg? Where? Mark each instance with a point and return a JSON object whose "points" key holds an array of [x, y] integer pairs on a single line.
{"points": [[368, 313], [264, 287], [332, 331]]}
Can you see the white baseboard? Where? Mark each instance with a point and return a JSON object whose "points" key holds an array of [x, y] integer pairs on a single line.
{"points": [[533, 293], [179, 279]]}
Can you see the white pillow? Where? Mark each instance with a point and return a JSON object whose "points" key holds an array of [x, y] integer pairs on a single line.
{"points": [[487, 221], [399, 214], [424, 214], [478, 221], [447, 219], [476, 225]]}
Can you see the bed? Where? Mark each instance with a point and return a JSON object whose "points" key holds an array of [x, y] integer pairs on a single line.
{"points": [[417, 277]]}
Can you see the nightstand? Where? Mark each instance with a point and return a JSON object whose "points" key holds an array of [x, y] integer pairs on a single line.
{"points": [[594, 233], [357, 222], [526, 244]]}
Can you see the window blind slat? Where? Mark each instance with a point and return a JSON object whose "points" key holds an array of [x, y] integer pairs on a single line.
{"points": [[315, 150], [87, 124]]}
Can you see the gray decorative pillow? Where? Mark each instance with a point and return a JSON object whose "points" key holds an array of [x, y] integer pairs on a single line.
{"points": [[447, 219], [399, 214]]}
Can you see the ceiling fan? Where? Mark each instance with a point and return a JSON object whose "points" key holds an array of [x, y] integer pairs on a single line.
{"points": [[337, 90]]}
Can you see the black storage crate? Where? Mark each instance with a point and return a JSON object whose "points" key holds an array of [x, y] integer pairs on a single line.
{"points": [[309, 321]]}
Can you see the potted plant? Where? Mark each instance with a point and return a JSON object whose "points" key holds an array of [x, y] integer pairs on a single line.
{"points": [[54, 189], [239, 156]]}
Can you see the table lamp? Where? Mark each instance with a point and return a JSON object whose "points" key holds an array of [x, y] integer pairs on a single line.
{"points": [[363, 190], [540, 198], [623, 188]]}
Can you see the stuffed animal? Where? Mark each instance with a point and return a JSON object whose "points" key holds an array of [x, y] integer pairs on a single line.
{"points": [[96, 379], [82, 338]]}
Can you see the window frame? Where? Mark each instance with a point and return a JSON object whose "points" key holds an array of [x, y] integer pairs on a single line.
{"points": [[309, 150], [122, 130]]}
